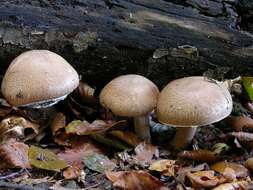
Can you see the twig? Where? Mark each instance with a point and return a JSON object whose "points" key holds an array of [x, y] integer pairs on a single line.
{"points": [[11, 185], [13, 174]]}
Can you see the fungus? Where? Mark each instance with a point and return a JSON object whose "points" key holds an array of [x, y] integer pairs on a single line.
{"points": [[190, 102], [37, 79], [131, 96]]}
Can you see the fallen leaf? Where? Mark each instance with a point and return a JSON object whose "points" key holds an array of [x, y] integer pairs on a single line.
{"points": [[14, 154], [182, 172], [135, 180], [98, 162], [205, 179], [58, 123], [126, 136], [249, 163], [199, 155], [18, 127], [145, 152], [109, 141], [98, 126], [242, 137], [237, 185], [45, 159], [229, 168], [220, 148], [247, 84], [86, 92], [166, 167], [238, 123], [72, 172], [73, 156]]}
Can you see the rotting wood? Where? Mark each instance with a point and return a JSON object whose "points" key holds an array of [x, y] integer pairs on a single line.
{"points": [[105, 38]]}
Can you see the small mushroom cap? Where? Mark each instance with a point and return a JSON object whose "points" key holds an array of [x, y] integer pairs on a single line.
{"points": [[38, 76], [193, 101], [129, 95]]}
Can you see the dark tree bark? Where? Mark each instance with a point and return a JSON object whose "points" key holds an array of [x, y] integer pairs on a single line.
{"points": [[162, 40]]}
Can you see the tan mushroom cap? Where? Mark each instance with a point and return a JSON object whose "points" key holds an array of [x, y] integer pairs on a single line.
{"points": [[37, 76], [193, 101], [129, 95]]}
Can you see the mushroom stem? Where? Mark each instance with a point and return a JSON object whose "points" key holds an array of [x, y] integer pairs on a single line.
{"points": [[142, 127], [183, 136]]}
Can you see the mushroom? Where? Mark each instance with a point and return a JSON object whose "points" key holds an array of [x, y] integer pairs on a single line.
{"points": [[37, 79], [190, 102], [131, 96]]}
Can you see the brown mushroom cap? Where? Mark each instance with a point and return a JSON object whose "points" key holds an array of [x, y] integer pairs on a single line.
{"points": [[193, 101], [129, 95], [37, 76]]}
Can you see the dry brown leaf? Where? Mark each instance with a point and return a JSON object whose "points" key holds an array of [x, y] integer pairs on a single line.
{"points": [[230, 170], [18, 127], [126, 136], [72, 172], [135, 180], [4, 110], [199, 155], [14, 154], [166, 167], [238, 123], [182, 172], [205, 179], [237, 185], [145, 152], [58, 123], [86, 92], [76, 153], [243, 137], [78, 127]]}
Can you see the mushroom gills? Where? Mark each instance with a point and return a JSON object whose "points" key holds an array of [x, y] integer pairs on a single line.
{"points": [[45, 103]]}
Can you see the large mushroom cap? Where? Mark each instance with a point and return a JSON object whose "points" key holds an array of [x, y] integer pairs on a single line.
{"points": [[129, 95], [193, 101], [38, 76]]}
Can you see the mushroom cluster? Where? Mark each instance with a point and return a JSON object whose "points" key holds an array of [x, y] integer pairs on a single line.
{"points": [[38, 78]]}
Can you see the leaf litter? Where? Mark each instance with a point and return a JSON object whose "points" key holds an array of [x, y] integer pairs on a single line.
{"points": [[95, 149]]}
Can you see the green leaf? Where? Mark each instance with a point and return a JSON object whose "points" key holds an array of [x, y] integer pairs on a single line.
{"points": [[98, 162], [45, 159], [247, 83], [71, 127]]}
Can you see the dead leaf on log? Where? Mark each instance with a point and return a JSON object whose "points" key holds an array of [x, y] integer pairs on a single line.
{"points": [[237, 185], [205, 179], [145, 153], [18, 127], [230, 170], [199, 155], [98, 126], [239, 123], [58, 123], [98, 162], [166, 167], [135, 180], [126, 136], [14, 154], [45, 159]]}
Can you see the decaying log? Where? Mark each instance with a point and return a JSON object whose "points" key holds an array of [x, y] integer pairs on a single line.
{"points": [[162, 40]]}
